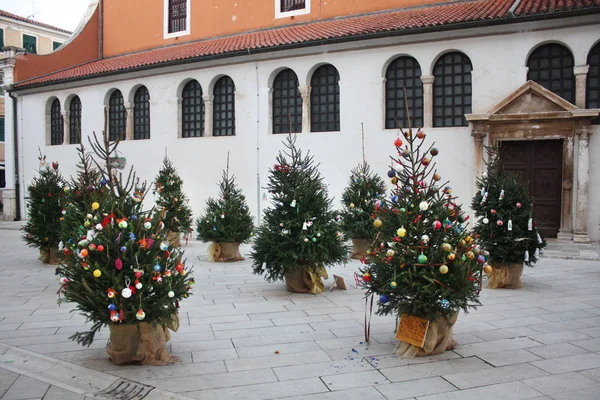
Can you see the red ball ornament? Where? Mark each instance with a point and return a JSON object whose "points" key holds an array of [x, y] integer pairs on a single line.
{"points": [[100, 248], [437, 225], [366, 277], [434, 152], [425, 161], [519, 205], [493, 211], [421, 134], [397, 142], [500, 223]]}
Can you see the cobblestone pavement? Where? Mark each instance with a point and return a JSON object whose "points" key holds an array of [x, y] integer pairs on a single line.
{"points": [[539, 342]]}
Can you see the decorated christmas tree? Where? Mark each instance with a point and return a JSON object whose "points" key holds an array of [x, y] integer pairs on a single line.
{"points": [[44, 209], [171, 198], [505, 225], [226, 221], [124, 273], [299, 235], [358, 200], [423, 267]]}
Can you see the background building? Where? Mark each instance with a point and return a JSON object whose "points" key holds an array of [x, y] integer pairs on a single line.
{"points": [[36, 38], [204, 79]]}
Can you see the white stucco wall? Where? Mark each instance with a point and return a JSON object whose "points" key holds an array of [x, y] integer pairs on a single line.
{"points": [[498, 69]]}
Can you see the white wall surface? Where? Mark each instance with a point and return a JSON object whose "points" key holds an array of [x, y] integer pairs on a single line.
{"points": [[499, 67]]}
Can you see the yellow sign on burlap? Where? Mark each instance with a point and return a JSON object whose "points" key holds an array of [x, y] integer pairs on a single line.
{"points": [[412, 330]]}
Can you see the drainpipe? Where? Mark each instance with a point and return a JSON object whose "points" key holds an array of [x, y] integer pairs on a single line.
{"points": [[258, 209], [511, 10], [101, 29], [16, 157]]}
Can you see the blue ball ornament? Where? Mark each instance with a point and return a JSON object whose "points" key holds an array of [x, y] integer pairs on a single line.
{"points": [[103, 182], [133, 217], [444, 303], [391, 173], [123, 249], [394, 198], [481, 260], [157, 267], [112, 307], [383, 299]]}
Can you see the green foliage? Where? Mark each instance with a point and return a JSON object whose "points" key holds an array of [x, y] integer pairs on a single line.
{"points": [[358, 201], [504, 210], [172, 199], [227, 219], [124, 250], [300, 230], [44, 207], [421, 234]]}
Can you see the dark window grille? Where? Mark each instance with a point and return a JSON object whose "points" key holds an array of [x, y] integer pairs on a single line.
{"points": [[56, 45], [593, 80], [30, 44], [177, 15], [192, 110], [452, 90], [325, 100], [292, 5], [57, 128], [1, 38], [551, 65], [287, 103], [117, 117], [224, 107], [75, 121], [2, 129], [403, 72], [141, 114]]}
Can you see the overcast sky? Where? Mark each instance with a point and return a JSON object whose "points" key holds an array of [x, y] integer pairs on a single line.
{"points": [[64, 14]]}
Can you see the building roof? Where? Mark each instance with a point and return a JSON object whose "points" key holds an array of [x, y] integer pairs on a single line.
{"points": [[456, 15], [32, 22]]}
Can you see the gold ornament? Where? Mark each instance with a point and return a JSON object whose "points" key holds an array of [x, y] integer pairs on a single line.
{"points": [[443, 269], [487, 269], [401, 232], [377, 223]]}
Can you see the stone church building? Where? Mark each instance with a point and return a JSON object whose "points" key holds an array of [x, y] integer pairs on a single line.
{"points": [[201, 79]]}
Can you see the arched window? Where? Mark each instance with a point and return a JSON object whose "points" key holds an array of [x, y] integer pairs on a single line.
{"points": [[75, 120], [593, 80], [451, 90], [57, 128], [141, 114], [287, 103], [403, 72], [192, 110], [117, 117], [325, 99], [224, 107], [551, 65]]}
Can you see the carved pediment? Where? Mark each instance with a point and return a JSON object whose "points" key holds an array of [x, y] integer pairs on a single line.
{"points": [[531, 98]]}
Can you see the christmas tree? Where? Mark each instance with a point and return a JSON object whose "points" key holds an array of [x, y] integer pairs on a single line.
{"points": [[423, 266], [506, 225], [171, 198], [226, 221], [78, 196], [44, 208], [299, 235], [358, 200], [124, 274]]}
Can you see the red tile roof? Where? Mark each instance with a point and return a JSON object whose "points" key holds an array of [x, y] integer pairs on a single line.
{"points": [[31, 21], [410, 20]]}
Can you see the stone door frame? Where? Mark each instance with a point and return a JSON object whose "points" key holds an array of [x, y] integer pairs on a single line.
{"points": [[534, 113]]}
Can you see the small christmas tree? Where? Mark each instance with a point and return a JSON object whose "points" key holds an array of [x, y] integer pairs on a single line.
{"points": [[299, 235], [423, 266], [226, 222], [358, 200], [124, 274], [171, 198], [505, 225], [44, 208]]}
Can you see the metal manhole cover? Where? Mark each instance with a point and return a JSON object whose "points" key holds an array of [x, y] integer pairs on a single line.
{"points": [[124, 390]]}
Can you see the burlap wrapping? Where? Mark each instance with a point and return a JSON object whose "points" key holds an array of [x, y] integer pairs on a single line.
{"points": [[141, 343], [49, 255], [306, 280], [224, 252], [174, 239], [505, 277], [360, 247], [437, 340]]}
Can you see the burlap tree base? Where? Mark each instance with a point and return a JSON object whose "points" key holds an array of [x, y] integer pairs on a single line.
{"points": [[306, 280], [505, 277], [174, 239], [360, 248], [141, 343], [224, 252], [50, 256], [438, 340]]}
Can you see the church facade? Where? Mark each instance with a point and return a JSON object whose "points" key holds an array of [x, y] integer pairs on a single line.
{"points": [[199, 82]]}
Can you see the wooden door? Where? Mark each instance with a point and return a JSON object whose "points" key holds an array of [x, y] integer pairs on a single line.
{"points": [[538, 164]]}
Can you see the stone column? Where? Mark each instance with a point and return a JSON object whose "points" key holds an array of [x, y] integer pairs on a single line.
{"points": [[9, 193], [129, 124], [179, 118], [479, 134], [565, 232], [583, 165], [580, 72], [305, 93], [208, 114], [428, 100], [66, 127]]}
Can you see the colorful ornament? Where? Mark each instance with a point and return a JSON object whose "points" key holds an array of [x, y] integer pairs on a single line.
{"points": [[444, 304], [481, 259], [377, 223], [314, 239], [509, 225], [112, 307], [95, 205], [390, 253], [97, 273], [352, 205], [501, 195], [123, 224], [519, 205], [443, 269], [421, 134], [423, 206], [84, 253], [123, 249], [397, 142], [164, 246], [499, 222], [140, 315], [111, 293], [437, 225], [157, 267], [485, 221], [305, 240], [425, 239], [425, 161], [391, 173], [493, 211], [487, 268], [422, 259], [451, 256], [138, 285], [436, 177], [383, 299], [100, 248], [114, 316], [126, 293], [434, 152], [147, 225], [118, 264], [393, 285], [171, 294], [470, 255], [401, 232], [366, 277]]}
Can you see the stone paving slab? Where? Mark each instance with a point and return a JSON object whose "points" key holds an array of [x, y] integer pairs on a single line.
{"points": [[244, 338]]}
